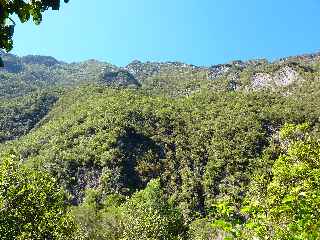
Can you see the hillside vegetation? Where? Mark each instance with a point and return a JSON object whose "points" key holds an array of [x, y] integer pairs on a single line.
{"points": [[160, 150]]}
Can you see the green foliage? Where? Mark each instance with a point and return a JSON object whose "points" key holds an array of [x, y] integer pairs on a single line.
{"points": [[290, 208], [24, 75], [205, 149], [203, 229], [293, 132], [19, 115], [99, 219], [32, 205], [148, 215]]}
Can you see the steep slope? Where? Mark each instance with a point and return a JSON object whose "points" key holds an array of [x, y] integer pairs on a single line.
{"points": [[30, 75], [205, 141], [19, 115], [94, 130]]}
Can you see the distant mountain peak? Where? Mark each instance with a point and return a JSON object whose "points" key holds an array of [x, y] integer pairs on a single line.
{"points": [[170, 76], [41, 60]]}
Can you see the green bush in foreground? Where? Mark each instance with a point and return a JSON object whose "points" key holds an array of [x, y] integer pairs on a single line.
{"points": [[146, 215], [149, 216], [289, 203], [32, 205]]}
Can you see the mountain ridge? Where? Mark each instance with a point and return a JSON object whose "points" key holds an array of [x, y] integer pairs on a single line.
{"points": [[210, 143]]}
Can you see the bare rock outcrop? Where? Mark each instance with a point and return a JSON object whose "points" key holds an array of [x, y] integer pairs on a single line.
{"points": [[283, 77]]}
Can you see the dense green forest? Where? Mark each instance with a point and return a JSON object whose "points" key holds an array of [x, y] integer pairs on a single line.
{"points": [[159, 150]]}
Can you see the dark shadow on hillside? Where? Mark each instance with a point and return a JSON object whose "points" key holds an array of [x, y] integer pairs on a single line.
{"points": [[140, 159]]}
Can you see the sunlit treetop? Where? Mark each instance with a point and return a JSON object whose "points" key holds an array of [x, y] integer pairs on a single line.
{"points": [[24, 9]]}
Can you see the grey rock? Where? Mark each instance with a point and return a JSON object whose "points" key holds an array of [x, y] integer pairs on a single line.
{"points": [[283, 77], [119, 78]]}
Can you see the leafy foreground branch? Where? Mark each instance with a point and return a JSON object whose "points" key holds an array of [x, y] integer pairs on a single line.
{"points": [[24, 10]]}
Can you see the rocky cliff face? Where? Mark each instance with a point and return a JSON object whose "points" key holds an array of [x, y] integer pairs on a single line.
{"points": [[283, 77], [119, 78]]}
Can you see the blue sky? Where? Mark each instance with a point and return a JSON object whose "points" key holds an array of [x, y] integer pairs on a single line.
{"points": [[200, 32]]}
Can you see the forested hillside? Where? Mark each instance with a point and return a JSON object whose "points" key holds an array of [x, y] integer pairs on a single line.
{"points": [[159, 150]]}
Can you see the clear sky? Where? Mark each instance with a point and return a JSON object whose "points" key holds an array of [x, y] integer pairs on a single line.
{"points": [[200, 32]]}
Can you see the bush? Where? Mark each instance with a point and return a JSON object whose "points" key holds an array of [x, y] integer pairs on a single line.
{"points": [[32, 206]]}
